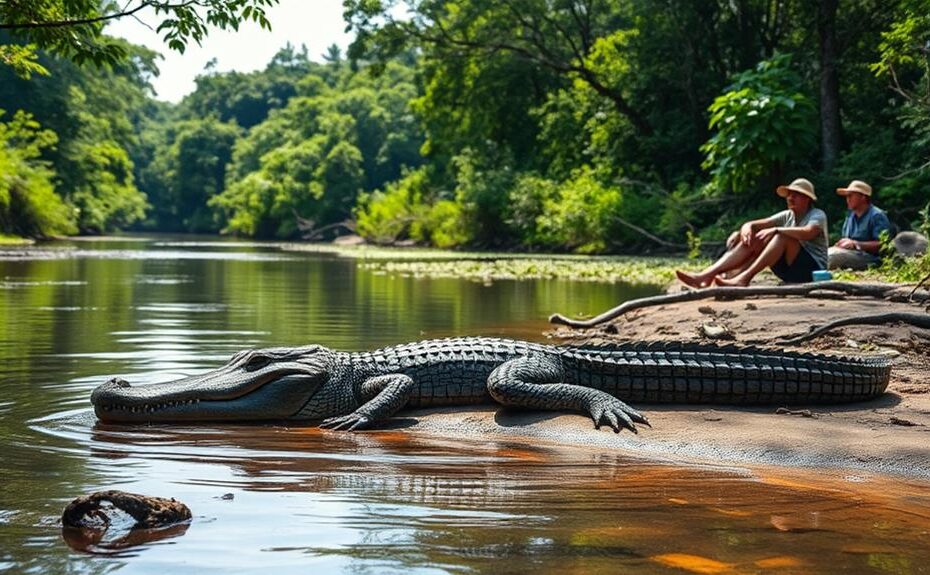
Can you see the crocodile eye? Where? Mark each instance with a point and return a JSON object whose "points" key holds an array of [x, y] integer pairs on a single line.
{"points": [[257, 362]]}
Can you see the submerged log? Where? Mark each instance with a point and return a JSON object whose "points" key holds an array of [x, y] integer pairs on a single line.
{"points": [[87, 521], [149, 512]]}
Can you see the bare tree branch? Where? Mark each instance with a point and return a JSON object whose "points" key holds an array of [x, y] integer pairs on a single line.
{"points": [[805, 290], [915, 319], [95, 19]]}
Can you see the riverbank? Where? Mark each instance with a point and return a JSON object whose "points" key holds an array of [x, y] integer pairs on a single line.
{"points": [[888, 435]]}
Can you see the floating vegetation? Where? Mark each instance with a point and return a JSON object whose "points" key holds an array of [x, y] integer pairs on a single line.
{"points": [[630, 270]]}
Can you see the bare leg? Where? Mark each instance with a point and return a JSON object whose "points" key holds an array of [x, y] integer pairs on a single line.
{"points": [[780, 245], [736, 258]]}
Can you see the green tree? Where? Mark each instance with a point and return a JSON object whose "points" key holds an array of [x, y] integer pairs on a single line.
{"points": [[193, 165], [95, 115], [761, 121], [73, 29], [28, 203]]}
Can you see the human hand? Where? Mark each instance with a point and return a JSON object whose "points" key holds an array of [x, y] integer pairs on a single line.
{"points": [[745, 233], [733, 240], [846, 244], [766, 234]]}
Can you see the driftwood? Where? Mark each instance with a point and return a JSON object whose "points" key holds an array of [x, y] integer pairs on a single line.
{"points": [[815, 289], [915, 319], [149, 512]]}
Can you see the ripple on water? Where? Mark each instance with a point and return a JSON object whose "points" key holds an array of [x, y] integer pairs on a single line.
{"points": [[301, 496], [26, 254]]}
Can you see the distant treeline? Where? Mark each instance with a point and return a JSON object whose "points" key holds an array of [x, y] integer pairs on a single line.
{"points": [[582, 125]]}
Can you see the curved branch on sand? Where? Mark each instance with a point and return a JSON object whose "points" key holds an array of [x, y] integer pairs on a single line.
{"points": [[815, 289], [915, 319]]}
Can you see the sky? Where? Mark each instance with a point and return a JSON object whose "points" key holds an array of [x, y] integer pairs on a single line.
{"points": [[315, 23]]}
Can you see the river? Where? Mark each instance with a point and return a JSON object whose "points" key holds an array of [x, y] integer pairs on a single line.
{"points": [[298, 500]]}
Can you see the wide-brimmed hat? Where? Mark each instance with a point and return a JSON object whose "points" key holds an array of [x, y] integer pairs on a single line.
{"points": [[801, 186], [856, 186]]}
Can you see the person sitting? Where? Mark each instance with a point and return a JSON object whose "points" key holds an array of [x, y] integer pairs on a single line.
{"points": [[792, 242], [859, 246]]}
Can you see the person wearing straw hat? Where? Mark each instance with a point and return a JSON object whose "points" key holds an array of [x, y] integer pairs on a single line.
{"points": [[860, 244], [793, 243]]}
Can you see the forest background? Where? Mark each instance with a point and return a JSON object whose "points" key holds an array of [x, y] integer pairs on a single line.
{"points": [[577, 125]]}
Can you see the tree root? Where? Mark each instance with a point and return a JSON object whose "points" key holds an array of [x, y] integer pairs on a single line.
{"points": [[915, 319], [814, 289]]}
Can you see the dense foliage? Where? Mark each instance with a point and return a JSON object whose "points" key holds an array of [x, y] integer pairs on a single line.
{"points": [[579, 125]]}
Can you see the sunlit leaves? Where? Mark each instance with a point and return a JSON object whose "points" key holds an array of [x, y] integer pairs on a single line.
{"points": [[73, 29], [761, 121], [28, 203]]}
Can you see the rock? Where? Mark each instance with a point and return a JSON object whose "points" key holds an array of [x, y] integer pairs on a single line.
{"points": [[909, 244], [716, 331]]}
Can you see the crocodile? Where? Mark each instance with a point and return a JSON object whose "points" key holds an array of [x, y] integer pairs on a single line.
{"points": [[356, 390]]}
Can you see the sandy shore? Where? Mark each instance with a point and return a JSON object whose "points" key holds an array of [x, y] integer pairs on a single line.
{"points": [[887, 435]]}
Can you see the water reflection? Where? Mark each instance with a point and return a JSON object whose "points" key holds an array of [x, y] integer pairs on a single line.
{"points": [[391, 501], [398, 501]]}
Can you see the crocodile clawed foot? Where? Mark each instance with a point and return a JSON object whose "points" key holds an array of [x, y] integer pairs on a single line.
{"points": [[350, 422], [617, 415]]}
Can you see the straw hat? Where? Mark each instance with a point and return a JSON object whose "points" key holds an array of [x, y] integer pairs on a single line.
{"points": [[856, 186], [801, 186]]}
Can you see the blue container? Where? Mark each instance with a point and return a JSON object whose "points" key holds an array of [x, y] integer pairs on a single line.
{"points": [[822, 275]]}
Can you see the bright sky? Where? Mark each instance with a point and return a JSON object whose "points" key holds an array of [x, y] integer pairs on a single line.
{"points": [[316, 23]]}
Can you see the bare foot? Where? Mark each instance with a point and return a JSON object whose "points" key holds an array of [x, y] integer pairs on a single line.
{"points": [[732, 282], [693, 280]]}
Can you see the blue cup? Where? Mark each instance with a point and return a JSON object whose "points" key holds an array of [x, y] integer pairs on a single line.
{"points": [[822, 275]]}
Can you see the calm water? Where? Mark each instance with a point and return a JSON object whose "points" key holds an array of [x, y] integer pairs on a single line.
{"points": [[296, 500]]}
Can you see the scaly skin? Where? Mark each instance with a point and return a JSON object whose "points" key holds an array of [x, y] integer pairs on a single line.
{"points": [[357, 390]]}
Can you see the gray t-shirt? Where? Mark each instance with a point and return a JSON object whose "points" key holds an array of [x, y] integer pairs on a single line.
{"points": [[816, 247]]}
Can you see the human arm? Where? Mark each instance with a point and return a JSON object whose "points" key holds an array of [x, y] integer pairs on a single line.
{"points": [[816, 223], [749, 231]]}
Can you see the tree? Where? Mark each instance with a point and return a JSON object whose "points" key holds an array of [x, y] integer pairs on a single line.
{"points": [[558, 36], [831, 136], [28, 203], [73, 29]]}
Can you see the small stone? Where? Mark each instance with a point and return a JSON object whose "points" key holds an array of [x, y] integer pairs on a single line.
{"points": [[716, 331], [751, 306], [707, 310]]}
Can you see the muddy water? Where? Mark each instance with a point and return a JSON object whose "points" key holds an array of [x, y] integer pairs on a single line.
{"points": [[297, 500]]}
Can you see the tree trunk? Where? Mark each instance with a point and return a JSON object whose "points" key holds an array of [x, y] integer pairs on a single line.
{"points": [[831, 135]]}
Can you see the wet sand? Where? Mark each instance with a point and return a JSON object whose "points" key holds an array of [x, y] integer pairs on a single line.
{"points": [[888, 435]]}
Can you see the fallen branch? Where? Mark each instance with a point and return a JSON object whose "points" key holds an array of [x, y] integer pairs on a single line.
{"points": [[917, 287], [651, 236], [915, 319], [315, 233], [880, 291]]}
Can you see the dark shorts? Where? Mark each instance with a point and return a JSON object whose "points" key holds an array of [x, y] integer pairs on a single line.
{"points": [[797, 272]]}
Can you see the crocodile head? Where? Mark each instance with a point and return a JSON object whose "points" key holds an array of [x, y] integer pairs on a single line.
{"points": [[272, 383]]}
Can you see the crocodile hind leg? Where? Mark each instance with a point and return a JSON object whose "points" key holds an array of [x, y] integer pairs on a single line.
{"points": [[383, 395], [533, 382]]}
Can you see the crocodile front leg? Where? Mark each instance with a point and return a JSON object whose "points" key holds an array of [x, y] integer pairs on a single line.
{"points": [[383, 395], [531, 381]]}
